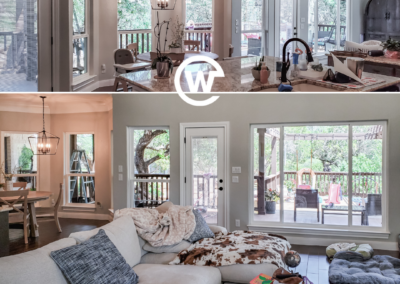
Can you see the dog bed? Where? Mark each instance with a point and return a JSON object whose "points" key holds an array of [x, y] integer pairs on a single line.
{"points": [[351, 268]]}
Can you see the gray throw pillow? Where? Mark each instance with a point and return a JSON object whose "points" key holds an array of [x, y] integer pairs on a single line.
{"points": [[166, 249], [96, 260], [202, 230]]}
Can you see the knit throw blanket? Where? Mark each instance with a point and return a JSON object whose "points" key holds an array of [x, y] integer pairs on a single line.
{"points": [[238, 247], [162, 229]]}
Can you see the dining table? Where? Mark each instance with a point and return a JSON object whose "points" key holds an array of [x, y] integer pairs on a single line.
{"points": [[188, 54], [33, 197]]}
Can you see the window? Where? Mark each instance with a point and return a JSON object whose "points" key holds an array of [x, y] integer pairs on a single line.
{"points": [[252, 24], [327, 22], [80, 168], [330, 175], [199, 22], [149, 166], [287, 24], [17, 158], [139, 30], [80, 39]]}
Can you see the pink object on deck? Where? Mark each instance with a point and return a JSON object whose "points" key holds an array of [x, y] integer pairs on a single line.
{"points": [[334, 194], [304, 186]]}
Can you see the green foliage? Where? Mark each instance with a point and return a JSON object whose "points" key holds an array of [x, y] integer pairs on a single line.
{"points": [[272, 195], [204, 156], [199, 11], [25, 160], [79, 16], [134, 15], [391, 45]]}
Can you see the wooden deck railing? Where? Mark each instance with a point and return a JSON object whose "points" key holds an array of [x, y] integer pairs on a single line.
{"points": [[151, 190], [205, 191], [205, 37], [142, 37], [328, 28]]}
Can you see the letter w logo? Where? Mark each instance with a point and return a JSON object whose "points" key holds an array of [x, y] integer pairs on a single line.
{"points": [[194, 87]]}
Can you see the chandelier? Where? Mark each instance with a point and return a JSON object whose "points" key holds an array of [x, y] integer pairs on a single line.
{"points": [[44, 143], [162, 4]]}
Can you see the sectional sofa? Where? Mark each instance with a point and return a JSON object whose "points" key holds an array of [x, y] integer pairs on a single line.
{"points": [[36, 267]]}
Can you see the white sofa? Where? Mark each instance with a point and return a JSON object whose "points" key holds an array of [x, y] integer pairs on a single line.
{"points": [[36, 267]]}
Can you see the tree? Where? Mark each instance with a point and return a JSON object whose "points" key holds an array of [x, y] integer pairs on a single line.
{"points": [[199, 11], [25, 160], [152, 146], [134, 15]]}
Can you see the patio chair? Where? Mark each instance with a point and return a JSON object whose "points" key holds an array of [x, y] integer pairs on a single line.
{"points": [[374, 205], [323, 37], [192, 44], [306, 198], [254, 46]]}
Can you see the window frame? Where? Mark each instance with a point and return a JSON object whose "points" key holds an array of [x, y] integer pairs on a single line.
{"points": [[131, 162], [262, 31], [2, 157], [312, 228], [87, 35], [68, 174]]}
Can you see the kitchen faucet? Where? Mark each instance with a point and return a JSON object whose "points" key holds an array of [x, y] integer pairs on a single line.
{"points": [[286, 65]]}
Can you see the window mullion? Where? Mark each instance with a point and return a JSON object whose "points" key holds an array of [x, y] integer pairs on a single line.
{"points": [[282, 174], [350, 177]]}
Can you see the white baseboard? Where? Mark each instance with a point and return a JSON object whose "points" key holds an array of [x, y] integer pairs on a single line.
{"points": [[306, 241], [81, 215], [95, 85]]}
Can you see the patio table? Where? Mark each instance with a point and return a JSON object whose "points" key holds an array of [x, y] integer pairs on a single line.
{"points": [[342, 208]]}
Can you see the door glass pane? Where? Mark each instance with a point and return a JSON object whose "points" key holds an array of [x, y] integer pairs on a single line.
{"points": [[367, 175], [205, 177], [343, 23], [316, 171], [266, 175], [251, 43], [311, 23], [79, 17], [18, 46], [199, 14], [79, 56], [137, 9], [327, 19], [286, 24]]}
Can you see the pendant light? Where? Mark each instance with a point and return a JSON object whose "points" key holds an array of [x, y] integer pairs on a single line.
{"points": [[44, 143], [162, 4]]}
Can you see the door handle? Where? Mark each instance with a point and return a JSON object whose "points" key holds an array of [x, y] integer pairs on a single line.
{"points": [[221, 189]]}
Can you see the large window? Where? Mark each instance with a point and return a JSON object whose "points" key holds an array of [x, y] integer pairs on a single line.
{"points": [[327, 24], [252, 24], [330, 175], [149, 166], [17, 158], [80, 39], [80, 168]]}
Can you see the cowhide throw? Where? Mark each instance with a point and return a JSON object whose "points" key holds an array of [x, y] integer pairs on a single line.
{"points": [[238, 247], [162, 229]]}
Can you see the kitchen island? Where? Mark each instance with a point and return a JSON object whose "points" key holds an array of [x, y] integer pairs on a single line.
{"points": [[238, 78]]}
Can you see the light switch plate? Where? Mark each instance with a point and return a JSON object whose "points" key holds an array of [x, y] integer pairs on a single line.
{"points": [[237, 223], [120, 177], [236, 170], [120, 169], [235, 179]]}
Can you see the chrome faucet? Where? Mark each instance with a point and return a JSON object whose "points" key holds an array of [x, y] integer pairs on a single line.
{"points": [[286, 65]]}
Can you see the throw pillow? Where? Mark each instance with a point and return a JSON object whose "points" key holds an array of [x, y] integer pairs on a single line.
{"points": [[96, 260], [201, 230], [165, 249]]}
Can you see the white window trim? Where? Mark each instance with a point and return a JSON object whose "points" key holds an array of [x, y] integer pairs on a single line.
{"points": [[81, 79], [66, 204], [319, 229], [131, 163], [2, 158], [200, 31]]}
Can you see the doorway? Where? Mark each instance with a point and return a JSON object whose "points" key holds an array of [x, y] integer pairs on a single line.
{"points": [[205, 174]]}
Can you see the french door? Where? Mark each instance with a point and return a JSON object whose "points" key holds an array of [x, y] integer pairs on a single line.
{"points": [[205, 172]]}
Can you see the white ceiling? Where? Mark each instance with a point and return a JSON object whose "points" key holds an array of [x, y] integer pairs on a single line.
{"points": [[56, 103]]}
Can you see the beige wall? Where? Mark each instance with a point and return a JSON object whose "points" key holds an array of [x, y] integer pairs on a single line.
{"points": [[242, 110]]}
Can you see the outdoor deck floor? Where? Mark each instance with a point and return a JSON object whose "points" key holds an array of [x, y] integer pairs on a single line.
{"points": [[16, 83]]}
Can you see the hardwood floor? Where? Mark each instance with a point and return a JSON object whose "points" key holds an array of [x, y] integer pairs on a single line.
{"points": [[314, 263], [48, 234]]}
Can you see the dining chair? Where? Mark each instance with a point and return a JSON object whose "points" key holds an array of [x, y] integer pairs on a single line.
{"points": [[177, 58], [21, 215], [42, 212], [134, 48], [20, 185], [192, 44]]}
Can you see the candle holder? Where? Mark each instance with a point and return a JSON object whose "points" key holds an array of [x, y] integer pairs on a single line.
{"points": [[162, 4]]}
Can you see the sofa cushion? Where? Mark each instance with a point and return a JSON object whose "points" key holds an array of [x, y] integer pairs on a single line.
{"points": [[122, 232], [177, 274], [158, 258], [34, 267], [96, 260], [244, 273], [163, 249], [201, 230]]}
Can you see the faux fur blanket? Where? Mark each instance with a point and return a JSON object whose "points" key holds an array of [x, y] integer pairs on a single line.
{"points": [[162, 229], [238, 247]]}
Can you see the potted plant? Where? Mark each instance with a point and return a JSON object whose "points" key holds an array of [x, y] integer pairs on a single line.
{"points": [[271, 197], [178, 33], [257, 69], [289, 185], [164, 65], [8, 182], [392, 48]]}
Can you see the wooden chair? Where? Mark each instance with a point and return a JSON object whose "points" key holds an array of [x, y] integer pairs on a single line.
{"points": [[51, 211], [22, 214], [177, 58], [192, 44], [134, 47], [20, 185]]}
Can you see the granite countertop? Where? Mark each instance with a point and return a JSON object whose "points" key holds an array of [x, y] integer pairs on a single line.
{"points": [[377, 59], [238, 78]]}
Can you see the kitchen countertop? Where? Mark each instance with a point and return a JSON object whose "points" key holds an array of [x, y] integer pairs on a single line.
{"points": [[378, 59], [238, 78]]}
